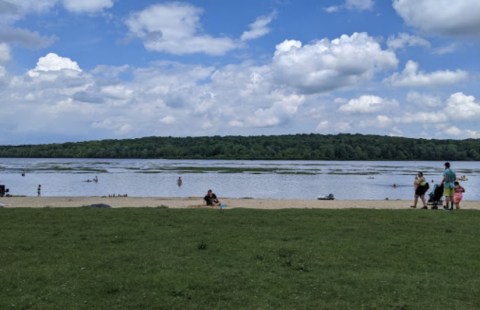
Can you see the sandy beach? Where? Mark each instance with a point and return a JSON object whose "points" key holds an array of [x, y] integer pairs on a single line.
{"points": [[197, 202]]}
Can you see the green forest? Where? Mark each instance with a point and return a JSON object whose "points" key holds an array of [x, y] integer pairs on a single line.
{"points": [[281, 147]]}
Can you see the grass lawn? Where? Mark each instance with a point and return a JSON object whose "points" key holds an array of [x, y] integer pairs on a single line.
{"points": [[159, 258]]}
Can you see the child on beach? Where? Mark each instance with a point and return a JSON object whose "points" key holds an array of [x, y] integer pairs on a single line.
{"points": [[458, 191]]}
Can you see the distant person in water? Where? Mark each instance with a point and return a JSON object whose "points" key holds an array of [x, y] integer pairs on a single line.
{"points": [[211, 199], [39, 190], [179, 181]]}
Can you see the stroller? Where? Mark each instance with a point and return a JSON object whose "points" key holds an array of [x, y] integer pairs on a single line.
{"points": [[435, 196]]}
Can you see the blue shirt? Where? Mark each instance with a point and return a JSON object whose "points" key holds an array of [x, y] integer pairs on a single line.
{"points": [[449, 177]]}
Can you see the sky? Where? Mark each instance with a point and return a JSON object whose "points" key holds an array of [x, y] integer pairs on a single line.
{"points": [[81, 70]]}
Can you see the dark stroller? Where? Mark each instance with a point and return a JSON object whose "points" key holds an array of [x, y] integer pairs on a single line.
{"points": [[435, 196]]}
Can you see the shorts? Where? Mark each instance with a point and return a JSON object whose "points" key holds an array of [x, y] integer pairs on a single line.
{"points": [[448, 192], [421, 190], [457, 197]]}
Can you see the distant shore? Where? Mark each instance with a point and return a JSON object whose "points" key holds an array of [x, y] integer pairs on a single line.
{"points": [[197, 202]]}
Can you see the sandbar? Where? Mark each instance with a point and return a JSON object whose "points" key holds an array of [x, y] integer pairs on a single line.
{"points": [[197, 202]]}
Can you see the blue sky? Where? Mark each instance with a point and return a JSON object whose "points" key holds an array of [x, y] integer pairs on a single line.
{"points": [[77, 70]]}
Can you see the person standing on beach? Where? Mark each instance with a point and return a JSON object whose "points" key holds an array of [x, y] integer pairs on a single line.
{"points": [[421, 187], [448, 180], [458, 194]]}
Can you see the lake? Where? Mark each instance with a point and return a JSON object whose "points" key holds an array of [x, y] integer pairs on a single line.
{"points": [[228, 178]]}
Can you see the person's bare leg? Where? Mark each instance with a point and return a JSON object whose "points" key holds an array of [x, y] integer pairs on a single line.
{"points": [[415, 201], [423, 201]]}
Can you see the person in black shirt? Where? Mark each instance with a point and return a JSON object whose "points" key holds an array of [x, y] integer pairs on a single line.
{"points": [[211, 199]]}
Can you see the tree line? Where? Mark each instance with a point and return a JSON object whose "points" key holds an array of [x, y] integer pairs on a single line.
{"points": [[281, 147]]}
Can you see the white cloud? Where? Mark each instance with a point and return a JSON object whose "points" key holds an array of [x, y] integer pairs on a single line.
{"points": [[326, 65], [411, 77], [12, 11], [422, 117], [456, 116], [168, 120], [24, 37], [20, 7], [87, 6], [379, 121], [368, 104], [4, 53], [53, 62], [359, 4], [453, 131], [447, 49], [405, 39], [281, 110], [460, 133], [443, 17], [175, 28], [259, 28], [462, 107], [424, 100], [3, 74], [117, 91], [332, 9]]}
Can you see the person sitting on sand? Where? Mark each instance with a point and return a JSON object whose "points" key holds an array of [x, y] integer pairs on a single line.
{"points": [[211, 199]]}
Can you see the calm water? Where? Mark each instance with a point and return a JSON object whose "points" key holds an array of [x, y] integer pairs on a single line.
{"points": [[236, 179]]}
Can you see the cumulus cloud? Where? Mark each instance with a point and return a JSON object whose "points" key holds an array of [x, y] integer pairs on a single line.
{"points": [[87, 6], [412, 77], [454, 116], [405, 39], [462, 107], [368, 104], [175, 28], [280, 111], [259, 28], [442, 17], [326, 65], [53, 62]]}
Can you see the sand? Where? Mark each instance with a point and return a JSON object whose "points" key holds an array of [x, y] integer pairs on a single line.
{"points": [[197, 202]]}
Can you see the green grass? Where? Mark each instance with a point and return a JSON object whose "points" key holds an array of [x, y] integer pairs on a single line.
{"points": [[161, 258]]}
